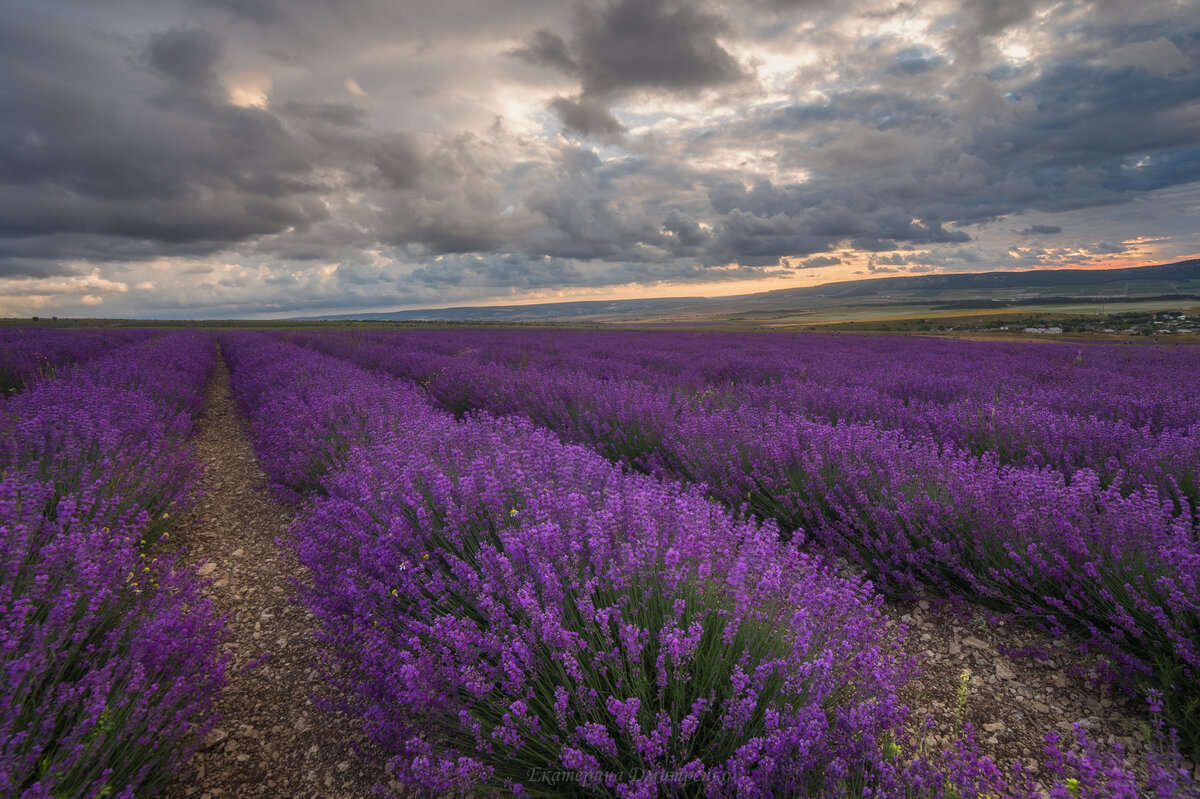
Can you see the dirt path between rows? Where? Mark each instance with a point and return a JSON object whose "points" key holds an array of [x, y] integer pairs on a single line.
{"points": [[271, 739]]}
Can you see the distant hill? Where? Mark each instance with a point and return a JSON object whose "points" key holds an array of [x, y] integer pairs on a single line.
{"points": [[521, 313], [1107, 279], [968, 290]]}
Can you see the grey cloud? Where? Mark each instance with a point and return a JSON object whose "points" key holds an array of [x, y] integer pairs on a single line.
{"points": [[629, 46], [967, 256], [1077, 133], [655, 44], [500, 271], [337, 114], [207, 172], [188, 56], [686, 230], [989, 19], [915, 61], [361, 275], [33, 267], [881, 13], [263, 12], [587, 116], [1160, 56], [514, 271], [397, 159], [548, 49], [1040, 230], [770, 219], [180, 166]]}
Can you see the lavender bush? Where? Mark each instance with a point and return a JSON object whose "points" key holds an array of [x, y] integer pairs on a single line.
{"points": [[110, 654], [562, 617], [27, 354]]}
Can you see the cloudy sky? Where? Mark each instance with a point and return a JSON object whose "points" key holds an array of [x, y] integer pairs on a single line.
{"points": [[201, 158]]}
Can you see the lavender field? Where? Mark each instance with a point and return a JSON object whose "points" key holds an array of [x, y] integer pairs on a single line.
{"points": [[608, 563]]}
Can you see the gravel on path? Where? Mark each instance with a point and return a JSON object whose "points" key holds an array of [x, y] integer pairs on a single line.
{"points": [[271, 740], [1013, 684]]}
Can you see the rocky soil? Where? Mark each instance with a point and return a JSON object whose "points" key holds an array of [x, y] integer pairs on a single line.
{"points": [[271, 740], [1011, 702]]}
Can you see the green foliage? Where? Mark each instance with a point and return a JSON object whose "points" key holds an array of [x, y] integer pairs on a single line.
{"points": [[1177, 684]]}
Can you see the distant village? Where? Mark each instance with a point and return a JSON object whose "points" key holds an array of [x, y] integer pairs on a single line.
{"points": [[1134, 324]]}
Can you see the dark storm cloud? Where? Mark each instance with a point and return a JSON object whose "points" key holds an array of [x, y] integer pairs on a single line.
{"points": [[633, 45], [769, 221], [652, 44], [30, 267], [1095, 116], [820, 261], [180, 165], [81, 160], [686, 230]]}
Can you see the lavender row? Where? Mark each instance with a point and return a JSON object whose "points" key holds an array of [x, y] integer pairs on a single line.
{"points": [[27, 354], [517, 613], [327, 405], [632, 421], [121, 422], [110, 654], [505, 605], [1020, 432], [1143, 386], [1116, 564]]}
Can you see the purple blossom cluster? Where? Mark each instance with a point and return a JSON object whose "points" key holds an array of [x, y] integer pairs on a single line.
{"points": [[109, 653], [327, 405], [1053, 481], [503, 607], [27, 354]]}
